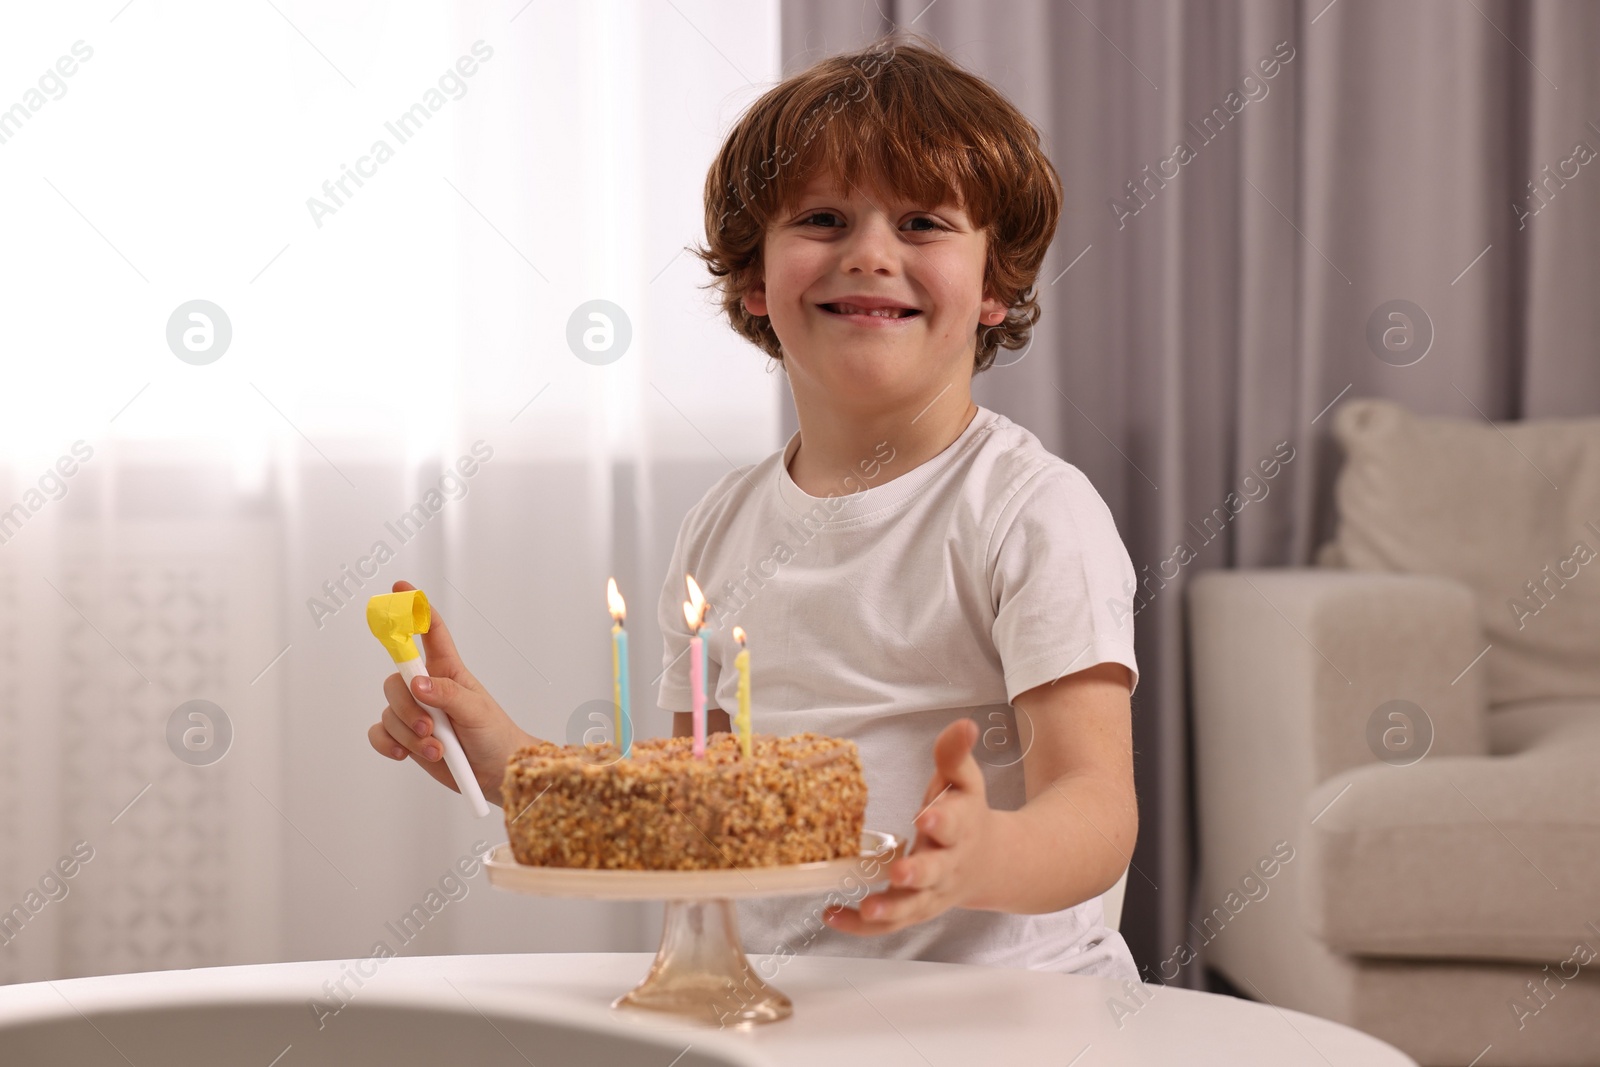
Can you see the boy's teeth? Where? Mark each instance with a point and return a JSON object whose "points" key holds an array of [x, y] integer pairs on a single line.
{"points": [[885, 313]]}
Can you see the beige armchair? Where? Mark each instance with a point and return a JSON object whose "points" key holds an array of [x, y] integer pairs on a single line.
{"points": [[1415, 722]]}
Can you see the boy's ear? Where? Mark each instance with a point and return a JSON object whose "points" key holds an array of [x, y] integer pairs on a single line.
{"points": [[755, 298], [992, 312]]}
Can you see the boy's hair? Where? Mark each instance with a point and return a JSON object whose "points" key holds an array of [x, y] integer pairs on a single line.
{"points": [[900, 115]]}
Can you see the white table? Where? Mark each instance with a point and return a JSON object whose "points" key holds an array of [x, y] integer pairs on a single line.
{"points": [[846, 1011]]}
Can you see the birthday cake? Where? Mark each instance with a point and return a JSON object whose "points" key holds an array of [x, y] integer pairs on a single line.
{"points": [[795, 799]]}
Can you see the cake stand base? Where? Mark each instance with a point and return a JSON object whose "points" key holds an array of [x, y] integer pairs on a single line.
{"points": [[700, 970]]}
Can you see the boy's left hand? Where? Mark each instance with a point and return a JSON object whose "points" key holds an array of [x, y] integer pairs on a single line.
{"points": [[952, 854]]}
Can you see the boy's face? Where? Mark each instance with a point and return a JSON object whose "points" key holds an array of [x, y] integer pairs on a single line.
{"points": [[836, 244]]}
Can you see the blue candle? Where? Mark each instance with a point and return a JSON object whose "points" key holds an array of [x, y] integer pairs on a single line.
{"points": [[625, 741], [619, 669]]}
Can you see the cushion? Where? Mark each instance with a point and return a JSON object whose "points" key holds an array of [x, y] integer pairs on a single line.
{"points": [[1512, 510], [1472, 857]]}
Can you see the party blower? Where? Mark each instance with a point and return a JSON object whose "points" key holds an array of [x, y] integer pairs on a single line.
{"points": [[395, 619]]}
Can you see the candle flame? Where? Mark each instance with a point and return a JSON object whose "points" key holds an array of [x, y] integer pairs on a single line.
{"points": [[619, 608], [694, 609], [738, 635]]}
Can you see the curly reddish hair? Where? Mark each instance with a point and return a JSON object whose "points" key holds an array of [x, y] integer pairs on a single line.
{"points": [[907, 116]]}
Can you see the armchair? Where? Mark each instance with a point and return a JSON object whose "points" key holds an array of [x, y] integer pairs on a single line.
{"points": [[1428, 766]]}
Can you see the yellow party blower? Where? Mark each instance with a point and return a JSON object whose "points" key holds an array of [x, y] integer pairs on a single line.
{"points": [[395, 619]]}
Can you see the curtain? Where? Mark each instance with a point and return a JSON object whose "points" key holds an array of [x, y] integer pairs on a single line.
{"points": [[398, 219], [1206, 306]]}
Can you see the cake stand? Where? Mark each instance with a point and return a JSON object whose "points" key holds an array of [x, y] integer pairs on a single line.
{"points": [[700, 970]]}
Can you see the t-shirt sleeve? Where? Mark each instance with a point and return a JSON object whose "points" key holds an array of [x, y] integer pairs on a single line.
{"points": [[1062, 583]]}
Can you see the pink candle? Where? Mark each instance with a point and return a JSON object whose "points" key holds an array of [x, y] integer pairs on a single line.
{"points": [[694, 613], [697, 690]]}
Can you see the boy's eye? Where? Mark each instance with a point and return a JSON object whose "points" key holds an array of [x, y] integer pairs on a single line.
{"points": [[830, 215]]}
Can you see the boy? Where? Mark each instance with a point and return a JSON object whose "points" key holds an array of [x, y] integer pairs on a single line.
{"points": [[909, 562]]}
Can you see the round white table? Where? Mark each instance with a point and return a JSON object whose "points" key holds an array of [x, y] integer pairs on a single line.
{"points": [[846, 1011]]}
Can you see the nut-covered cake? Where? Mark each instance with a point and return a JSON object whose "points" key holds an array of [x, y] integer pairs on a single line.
{"points": [[796, 799]]}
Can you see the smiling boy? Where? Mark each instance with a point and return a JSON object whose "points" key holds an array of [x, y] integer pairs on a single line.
{"points": [[910, 565], [883, 266]]}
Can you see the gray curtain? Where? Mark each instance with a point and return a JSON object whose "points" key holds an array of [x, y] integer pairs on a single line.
{"points": [[1203, 308]]}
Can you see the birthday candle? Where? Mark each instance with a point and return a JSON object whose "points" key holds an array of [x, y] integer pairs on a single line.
{"points": [[694, 612], [621, 646], [741, 663], [619, 668], [697, 688]]}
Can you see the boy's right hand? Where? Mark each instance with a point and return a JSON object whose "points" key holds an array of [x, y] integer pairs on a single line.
{"points": [[487, 734]]}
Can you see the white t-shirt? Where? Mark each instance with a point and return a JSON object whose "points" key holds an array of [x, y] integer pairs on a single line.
{"points": [[882, 615]]}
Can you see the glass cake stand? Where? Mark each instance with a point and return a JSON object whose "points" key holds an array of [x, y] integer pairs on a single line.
{"points": [[700, 970]]}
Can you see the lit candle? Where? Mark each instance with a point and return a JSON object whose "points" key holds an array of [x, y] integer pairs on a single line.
{"points": [[619, 668], [694, 612], [741, 663]]}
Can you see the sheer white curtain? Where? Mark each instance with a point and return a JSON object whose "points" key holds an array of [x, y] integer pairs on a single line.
{"points": [[398, 210]]}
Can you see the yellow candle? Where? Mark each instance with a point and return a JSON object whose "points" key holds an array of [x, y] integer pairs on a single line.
{"points": [[741, 663]]}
